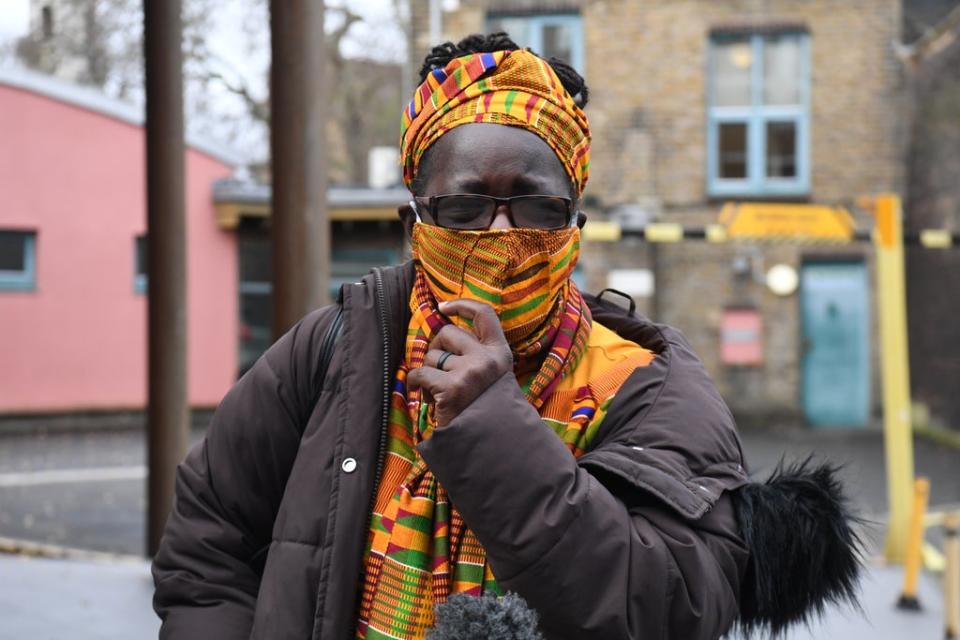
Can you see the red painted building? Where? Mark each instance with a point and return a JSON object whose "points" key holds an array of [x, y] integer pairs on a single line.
{"points": [[72, 287], [72, 267]]}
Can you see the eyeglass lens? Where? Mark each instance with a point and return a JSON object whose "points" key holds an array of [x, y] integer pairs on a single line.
{"points": [[472, 212]]}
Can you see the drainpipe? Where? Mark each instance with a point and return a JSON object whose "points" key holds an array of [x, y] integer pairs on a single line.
{"points": [[167, 411]]}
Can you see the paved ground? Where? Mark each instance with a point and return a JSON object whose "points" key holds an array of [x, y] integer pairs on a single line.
{"points": [[43, 599], [86, 490]]}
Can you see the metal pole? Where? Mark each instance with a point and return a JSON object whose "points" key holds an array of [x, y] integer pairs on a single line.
{"points": [[911, 571], [167, 412], [895, 364], [300, 229], [951, 576]]}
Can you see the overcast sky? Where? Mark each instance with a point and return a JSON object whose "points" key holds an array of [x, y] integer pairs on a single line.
{"points": [[14, 18], [378, 36], [239, 39]]}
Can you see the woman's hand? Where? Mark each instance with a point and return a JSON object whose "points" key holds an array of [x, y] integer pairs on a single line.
{"points": [[479, 359]]}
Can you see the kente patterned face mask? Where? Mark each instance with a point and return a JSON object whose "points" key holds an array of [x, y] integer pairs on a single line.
{"points": [[523, 274]]}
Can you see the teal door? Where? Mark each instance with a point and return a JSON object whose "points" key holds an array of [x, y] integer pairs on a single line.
{"points": [[835, 346]]}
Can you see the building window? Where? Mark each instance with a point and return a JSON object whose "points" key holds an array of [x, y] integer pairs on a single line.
{"points": [[140, 264], [758, 115], [549, 35], [18, 264], [359, 245]]}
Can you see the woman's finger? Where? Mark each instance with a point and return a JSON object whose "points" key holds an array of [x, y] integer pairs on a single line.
{"points": [[426, 378], [484, 319], [432, 359], [455, 340]]}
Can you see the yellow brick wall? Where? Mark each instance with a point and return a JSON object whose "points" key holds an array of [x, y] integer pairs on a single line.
{"points": [[646, 69], [645, 66]]}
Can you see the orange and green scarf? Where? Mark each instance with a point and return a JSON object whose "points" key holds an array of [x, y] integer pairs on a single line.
{"points": [[420, 551]]}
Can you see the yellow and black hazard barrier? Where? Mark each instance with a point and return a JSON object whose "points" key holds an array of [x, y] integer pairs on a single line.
{"points": [[671, 232]]}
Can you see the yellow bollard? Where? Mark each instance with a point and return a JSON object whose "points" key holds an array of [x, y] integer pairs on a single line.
{"points": [[895, 367], [951, 576], [913, 557]]}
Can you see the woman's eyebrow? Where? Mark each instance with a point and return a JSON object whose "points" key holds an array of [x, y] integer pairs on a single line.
{"points": [[527, 184]]}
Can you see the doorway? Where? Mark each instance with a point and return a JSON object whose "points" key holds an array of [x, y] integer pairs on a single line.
{"points": [[835, 360]]}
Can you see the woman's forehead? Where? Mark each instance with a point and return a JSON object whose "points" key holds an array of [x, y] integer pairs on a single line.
{"points": [[486, 153]]}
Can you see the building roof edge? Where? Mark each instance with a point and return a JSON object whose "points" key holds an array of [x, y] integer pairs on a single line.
{"points": [[95, 101]]}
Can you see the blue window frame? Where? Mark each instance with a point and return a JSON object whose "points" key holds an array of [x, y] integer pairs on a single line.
{"points": [[140, 264], [548, 34], [18, 260], [758, 115]]}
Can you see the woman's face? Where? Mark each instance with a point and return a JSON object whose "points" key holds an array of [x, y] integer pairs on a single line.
{"points": [[494, 160]]}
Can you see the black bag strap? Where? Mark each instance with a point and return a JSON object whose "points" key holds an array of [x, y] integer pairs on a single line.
{"points": [[327, 347]]}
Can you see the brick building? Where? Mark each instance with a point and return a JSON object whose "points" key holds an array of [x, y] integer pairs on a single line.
{"points": [[933, 79], [694, 103]]}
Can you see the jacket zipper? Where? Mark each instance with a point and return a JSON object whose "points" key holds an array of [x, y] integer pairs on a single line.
{"points": [[385, 406]]}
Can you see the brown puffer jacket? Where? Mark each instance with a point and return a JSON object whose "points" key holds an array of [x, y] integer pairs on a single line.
{"points": [[636, 539]]}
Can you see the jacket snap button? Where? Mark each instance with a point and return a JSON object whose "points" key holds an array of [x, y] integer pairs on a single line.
{"points": [[349, 465]]}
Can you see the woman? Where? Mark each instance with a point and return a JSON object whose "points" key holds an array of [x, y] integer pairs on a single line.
{"points": [[483, 426]]}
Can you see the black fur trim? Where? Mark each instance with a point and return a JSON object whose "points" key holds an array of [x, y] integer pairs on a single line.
{"points": [[464, 617], [805, 549]]}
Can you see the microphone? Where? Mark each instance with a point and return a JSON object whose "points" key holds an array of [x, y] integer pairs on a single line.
{"points": [[486, 617]]}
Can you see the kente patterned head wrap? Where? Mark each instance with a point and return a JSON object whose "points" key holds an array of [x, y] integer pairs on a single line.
{"points": [[515, 88]]}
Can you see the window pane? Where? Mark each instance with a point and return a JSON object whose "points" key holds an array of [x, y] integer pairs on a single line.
{"points": [[141, 258], [732, 62], [516, 28], [558, 42], [781, 150], [781, 70], [13, 245], [733, 150], [255, 257]]}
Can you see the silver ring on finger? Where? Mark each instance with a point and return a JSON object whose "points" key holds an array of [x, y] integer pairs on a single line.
{"points": [[443, 358]]}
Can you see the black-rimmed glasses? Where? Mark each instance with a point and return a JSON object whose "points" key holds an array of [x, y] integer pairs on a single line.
{"points": [[473, 211]]}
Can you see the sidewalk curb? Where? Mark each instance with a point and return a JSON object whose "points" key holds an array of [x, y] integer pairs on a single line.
{"points": [[31, 549], [89, 422]]}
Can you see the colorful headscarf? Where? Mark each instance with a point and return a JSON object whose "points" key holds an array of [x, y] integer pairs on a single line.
{"points": [[514, 88]]}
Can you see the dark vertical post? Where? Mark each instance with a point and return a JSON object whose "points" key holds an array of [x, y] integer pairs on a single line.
{"points": [[167, 419], [300, 231]]}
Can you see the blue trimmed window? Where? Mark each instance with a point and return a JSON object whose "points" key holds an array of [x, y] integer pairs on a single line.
{"points": [[548, 34], [758, 115], [18, 260], [140, 264]]}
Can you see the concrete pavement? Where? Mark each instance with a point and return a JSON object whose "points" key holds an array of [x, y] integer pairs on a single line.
{"points": [[48, 599], [58, 599]]}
